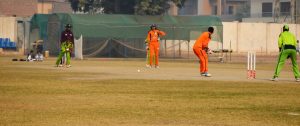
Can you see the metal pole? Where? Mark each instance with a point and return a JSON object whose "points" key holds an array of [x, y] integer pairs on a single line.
{"points": [[230, 51], [24, 41], [179, 48], [29, 37], [110, 48], [220, 7], [125, 50], [173, 42], [174, 50], [188, 49], [165, 48]]}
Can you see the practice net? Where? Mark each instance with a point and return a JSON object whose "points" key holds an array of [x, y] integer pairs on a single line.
{"points": [[124, 35]]}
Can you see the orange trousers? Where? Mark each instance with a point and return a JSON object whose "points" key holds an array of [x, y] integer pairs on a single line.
{"points": [[154, 51], [202, 55]]}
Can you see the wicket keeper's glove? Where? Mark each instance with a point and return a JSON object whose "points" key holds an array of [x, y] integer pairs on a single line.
{"points": [[209, 51], [206, 49]]}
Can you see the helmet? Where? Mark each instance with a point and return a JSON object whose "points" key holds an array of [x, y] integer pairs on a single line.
{"points": [[285, 27], [68, 26], [153, 25]]}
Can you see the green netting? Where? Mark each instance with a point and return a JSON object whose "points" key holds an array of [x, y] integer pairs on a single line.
{"points": [[128, 26], [40, 21], [122, 35]]}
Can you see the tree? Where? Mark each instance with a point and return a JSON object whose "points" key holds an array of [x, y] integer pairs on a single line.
{"points": [[155, 7], [152, 7], [74, 5], [243, 12], [86, 6], [276, 10], [92, 6], [293, 11], [118, 6], [140, 7]]}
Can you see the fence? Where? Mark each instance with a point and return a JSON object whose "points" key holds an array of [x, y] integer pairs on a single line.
{"points": [[259, 37]]}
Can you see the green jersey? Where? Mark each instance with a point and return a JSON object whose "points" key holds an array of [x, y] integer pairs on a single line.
{"points": [[287, 38]]}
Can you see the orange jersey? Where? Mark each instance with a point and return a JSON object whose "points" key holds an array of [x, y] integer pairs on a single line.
{"points": [[203, 40], [153, 35]]}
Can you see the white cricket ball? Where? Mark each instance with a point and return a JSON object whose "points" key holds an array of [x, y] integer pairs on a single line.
{"points": [[138, 70]]}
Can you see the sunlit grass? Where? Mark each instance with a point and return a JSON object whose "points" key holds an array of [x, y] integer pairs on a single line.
{"points": [[44, 97]]}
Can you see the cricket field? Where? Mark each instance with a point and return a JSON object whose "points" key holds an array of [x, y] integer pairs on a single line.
{"points": [[122, 92]]}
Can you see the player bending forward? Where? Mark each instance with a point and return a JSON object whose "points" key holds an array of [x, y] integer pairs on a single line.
{"points": [[201, 49]]}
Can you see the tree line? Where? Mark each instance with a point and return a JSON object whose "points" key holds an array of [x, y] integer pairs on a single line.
{"points": [[138, 7]]}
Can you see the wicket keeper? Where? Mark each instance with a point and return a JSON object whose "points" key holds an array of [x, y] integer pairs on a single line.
{"points": [[287, 46]]}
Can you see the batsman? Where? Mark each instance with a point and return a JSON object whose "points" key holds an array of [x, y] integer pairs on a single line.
{"points": [[287, 46], [66, 46], [153, 37]]}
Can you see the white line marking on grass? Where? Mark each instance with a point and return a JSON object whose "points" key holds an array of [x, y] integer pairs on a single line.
{"points": [[294, 114]]}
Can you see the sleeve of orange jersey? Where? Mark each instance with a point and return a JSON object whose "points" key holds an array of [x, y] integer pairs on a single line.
{"points": [[148, 37], [199, 42], [161, 33], [205, 40]]}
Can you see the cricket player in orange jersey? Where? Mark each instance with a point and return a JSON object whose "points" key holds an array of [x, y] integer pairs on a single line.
{"points": [[201, 49], [153, 38]]}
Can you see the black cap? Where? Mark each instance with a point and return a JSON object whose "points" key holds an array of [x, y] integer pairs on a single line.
{"points": [[68, 26], [210, 29], [153, 25]]}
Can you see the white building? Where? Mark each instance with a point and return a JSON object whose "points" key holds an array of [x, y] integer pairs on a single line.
{"points": [[269, 11], [226, 9]]}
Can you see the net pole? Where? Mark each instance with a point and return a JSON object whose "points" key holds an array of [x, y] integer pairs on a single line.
{"points": [[248, 57], [188, 49], [179, 48], [173, 42], [230, 51], [110, 47]]}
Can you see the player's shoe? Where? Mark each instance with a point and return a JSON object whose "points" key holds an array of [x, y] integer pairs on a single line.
{"points": [[297, 79], [274, 79], [148, 66], [157, 67], [59, 65], [68, 66], [205, 74]]}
